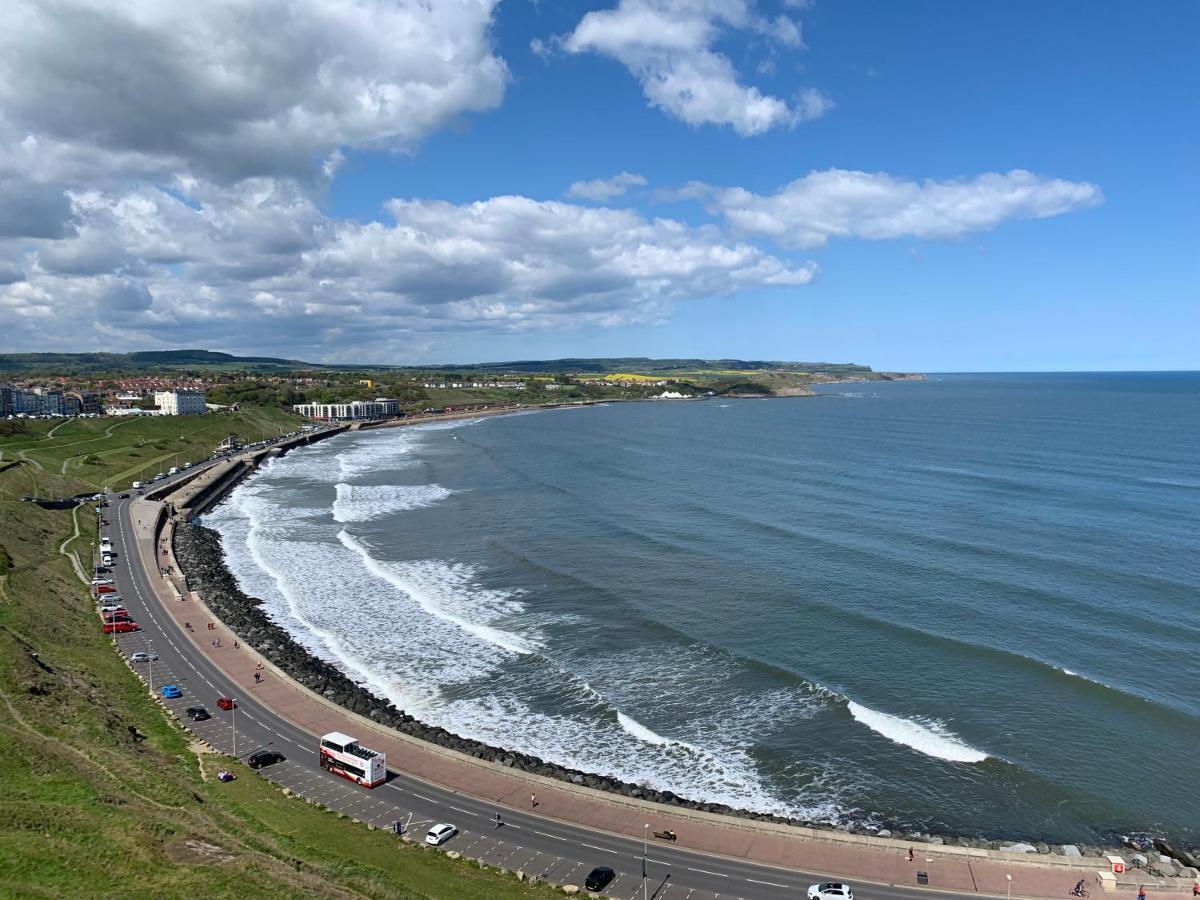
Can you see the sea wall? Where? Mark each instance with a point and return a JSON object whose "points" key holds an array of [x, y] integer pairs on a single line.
{"points": [[201, 559]]}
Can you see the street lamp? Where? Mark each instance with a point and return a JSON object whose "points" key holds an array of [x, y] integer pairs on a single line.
{"points": [[645, 848], [150, 659], [233, 711], [1008, 878]]}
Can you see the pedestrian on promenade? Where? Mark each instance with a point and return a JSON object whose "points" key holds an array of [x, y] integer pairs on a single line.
{"points": [[533, 801], [1141, 892], [910, 854], [258, 677], [1196, 889], [499, 823], [235, 644]]}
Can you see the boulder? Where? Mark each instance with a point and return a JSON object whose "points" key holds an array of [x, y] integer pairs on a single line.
{"points": [[1071, 850], [1019, 848]]}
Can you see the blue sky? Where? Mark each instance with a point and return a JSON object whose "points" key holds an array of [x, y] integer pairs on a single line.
{"points": [[259, 218]]}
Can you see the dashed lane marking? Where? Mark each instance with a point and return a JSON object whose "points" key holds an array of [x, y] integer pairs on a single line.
{"points": [[706, 872], [770, 883]]}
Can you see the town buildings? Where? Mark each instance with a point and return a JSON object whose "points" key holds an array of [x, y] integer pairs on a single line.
{"points": [[379, 408], [179, 403]]}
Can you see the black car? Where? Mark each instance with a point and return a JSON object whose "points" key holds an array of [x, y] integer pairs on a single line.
{"points": [[598, 879], [260, 758], [198, 713], [125, 496]]}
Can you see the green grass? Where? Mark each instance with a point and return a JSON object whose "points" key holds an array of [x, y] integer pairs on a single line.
{"points": [[100, 790], [117, 452]]}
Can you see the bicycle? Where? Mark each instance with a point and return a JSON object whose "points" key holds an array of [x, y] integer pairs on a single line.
{"points": [[1079, 890]]}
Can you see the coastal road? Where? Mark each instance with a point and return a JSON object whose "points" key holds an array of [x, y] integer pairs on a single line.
{"points": [[552, 850]]}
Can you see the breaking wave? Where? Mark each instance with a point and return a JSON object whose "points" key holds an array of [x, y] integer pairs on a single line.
{"points": [[930, 737]]}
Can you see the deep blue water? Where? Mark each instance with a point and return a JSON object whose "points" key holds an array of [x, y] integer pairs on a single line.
{"points": [[970, 604]]}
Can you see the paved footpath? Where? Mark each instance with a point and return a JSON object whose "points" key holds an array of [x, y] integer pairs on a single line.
{"points": [[879, 860]]}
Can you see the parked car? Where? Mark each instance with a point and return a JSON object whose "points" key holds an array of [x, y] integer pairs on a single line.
{"points": [[226, 703], [142, 656], [97, 582], [125, 496], [831, 890], [105, 589], [599, 878], [113, 608], [439, 834], [137, 485], [171, 691], [198, 713], [123, 627], [261, 758]]}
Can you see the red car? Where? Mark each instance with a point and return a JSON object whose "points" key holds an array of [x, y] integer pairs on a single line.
{"points": [[120, 627], [225, 703], [122, 616], [105, 589]]}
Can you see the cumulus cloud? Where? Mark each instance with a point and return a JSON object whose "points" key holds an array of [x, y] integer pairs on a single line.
{"points": [[668, 46], [232, 90], [260, 264], [603, 189], [836, 203]]}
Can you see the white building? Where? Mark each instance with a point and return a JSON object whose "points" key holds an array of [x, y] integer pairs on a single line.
{"points": [[179, 403], [379, 408]]}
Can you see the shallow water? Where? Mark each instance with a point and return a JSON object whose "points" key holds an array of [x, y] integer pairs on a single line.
{"points": [[970, 604]]}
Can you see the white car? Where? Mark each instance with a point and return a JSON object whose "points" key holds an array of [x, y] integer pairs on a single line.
{"points": [[439, 834], [98, 582], [112, 608], [831, 890], [142, 656]]}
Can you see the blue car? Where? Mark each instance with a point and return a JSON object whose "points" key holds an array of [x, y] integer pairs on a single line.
{"points": [[171, 691]]}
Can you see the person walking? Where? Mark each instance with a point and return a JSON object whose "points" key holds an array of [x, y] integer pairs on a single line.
{"points": [[533, 801], [1196, 889], [910, 854], [258, 677], [498, 821], [1141, 892]]}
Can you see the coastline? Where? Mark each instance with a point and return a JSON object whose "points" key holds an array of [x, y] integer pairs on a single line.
{"points": [[201, 557]]}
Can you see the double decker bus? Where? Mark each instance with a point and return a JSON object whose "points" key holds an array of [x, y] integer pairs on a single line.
{"points": [[343, 755]]}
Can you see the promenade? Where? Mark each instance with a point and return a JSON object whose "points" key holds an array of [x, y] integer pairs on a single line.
{"points": [[854, 858]]}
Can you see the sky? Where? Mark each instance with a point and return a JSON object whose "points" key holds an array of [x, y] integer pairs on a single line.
{"points": [[927, 186]]}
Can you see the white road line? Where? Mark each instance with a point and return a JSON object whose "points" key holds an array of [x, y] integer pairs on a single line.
{"points": [[466, 812], [706, 872], [771, 883], [556, 837], [603, 849]]}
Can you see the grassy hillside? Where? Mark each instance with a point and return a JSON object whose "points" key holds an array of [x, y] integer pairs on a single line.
{"points": [[101, 793], [116, 452]]}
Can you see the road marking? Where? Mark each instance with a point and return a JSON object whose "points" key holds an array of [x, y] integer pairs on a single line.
{"points": [[463, 811], [556, 837], [601, 849], [706, 872], [771, 883]]}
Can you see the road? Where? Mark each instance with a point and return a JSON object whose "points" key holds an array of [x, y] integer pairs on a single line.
{"points": [[547, 848]]}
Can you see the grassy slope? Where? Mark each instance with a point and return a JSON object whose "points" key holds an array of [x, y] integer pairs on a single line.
{"points": [[99, 790]]}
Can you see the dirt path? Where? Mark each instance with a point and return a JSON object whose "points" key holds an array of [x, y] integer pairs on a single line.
{"points": [[71, 554]]}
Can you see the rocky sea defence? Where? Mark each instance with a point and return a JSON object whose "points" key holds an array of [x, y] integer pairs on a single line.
{"points": [[201, 557]]}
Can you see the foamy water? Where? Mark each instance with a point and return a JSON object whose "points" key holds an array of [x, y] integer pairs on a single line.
{"points": [[952, 616]]}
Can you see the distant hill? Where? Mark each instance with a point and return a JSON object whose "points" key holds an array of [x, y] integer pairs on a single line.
{"points": [[23, 364]]}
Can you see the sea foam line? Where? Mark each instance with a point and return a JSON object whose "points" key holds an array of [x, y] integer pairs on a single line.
{"points": [[932, 739], [435, 606]]}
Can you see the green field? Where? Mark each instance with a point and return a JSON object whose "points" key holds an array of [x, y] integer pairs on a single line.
{"points": [[118, 451], [101, 793]]}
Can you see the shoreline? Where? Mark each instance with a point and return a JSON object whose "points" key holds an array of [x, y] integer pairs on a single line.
{"points": [[202, 559]]}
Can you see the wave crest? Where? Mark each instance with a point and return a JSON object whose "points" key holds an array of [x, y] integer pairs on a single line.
{"points": [[930, 738]]}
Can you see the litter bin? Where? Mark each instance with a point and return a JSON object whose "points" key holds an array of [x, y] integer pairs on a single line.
{"points": [[922, 878]]}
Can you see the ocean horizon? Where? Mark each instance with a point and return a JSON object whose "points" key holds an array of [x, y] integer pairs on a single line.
{"points": [[968, 605]]}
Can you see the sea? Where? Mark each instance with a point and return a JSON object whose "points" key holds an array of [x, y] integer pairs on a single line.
{"points": [[966, 605]]}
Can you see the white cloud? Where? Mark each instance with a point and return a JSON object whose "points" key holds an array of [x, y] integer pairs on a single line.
{"points": [[836, 203], [258, 265], [603, 189], [230, 90], [668, 46]]}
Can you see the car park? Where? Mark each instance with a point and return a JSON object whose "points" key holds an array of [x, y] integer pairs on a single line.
{"points": [[599, 878], [226, 703], [830, 890], [171, 691], [439, 834], [143, 656], [198, 713], [122, 627], [261, 758]]}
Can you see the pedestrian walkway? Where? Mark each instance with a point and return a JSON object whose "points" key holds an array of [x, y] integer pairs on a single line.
{"points": [[849, 857]]}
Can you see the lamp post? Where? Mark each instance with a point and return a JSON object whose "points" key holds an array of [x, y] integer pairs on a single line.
{"points": [[150, 660], [233, 712], [1008, 879], [645, 849]]}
